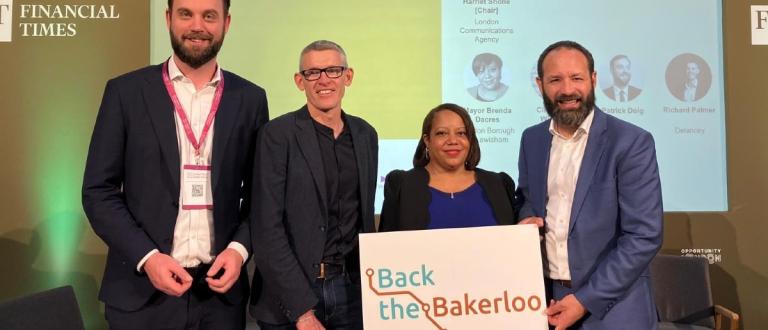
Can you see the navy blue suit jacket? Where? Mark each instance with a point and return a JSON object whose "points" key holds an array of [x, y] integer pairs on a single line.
{"points": [[616, 218], [131, 182]]}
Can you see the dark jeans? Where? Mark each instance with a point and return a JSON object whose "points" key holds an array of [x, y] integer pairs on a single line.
{"points": [[340, 306]]}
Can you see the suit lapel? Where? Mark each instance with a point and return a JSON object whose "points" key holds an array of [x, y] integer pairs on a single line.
{"points": [[223, 125], [361, 147], [543, 159], [161, 113], [306, 138], [592, 154]]}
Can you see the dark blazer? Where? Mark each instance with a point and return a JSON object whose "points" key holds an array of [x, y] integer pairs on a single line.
{"points": [[407, 198], [616, 218], [631, 90], [289, 216], [131, 181]]}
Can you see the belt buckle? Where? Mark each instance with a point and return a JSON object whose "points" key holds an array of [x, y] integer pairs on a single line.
{"points": [[329, 270]]}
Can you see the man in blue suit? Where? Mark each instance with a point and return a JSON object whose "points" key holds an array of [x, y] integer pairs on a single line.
{"points": [[592, 180]]}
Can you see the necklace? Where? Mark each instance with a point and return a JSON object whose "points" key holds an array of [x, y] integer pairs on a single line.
{"points": [[432, 174]]}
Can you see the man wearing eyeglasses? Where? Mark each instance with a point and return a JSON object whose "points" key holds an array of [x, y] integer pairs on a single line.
{"points": [[314, 184]]}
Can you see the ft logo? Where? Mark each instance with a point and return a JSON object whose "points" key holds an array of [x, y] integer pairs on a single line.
{"points": [[6, 20], [759, 25]]}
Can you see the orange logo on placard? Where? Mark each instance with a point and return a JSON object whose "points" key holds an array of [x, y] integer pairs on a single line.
{"points": [[424, 306], [439, 306]]}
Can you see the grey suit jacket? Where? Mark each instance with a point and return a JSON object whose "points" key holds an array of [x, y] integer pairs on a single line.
{"points": [[289, 217]]}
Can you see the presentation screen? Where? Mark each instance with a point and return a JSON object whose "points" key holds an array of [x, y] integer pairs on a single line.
{"points": [[659, 65]]}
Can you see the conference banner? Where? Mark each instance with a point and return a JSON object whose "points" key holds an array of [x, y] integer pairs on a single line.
{"points": [[468, 278]]}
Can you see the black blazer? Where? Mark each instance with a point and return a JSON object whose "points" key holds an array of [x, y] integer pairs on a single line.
{"points": [[290, 217], [407, 198], [131, 182]]}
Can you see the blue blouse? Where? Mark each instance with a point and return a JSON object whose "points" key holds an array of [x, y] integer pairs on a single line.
{"points": [[468, 208]]}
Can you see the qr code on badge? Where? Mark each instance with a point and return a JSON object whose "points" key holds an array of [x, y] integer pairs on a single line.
{"points": [[197, 190]]}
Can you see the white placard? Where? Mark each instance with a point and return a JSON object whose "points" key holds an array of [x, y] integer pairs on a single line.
{"points": [[469, 278]]}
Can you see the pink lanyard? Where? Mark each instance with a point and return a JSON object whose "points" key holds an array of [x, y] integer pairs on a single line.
{"points": [[183, 116]]}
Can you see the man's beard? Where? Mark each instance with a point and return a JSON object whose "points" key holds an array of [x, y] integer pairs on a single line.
{"points": [[621, 80], [570, 118], [196, 58]]}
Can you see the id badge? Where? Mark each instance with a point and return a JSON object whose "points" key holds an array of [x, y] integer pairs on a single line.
{"points": [[196, 188]]}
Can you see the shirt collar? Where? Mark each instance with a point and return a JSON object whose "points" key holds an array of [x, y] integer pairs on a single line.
{"points": [[329, 131], [582, 130], [617, 91], [175, 74]]}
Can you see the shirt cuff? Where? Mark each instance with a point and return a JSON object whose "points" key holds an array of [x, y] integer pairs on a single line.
{"points": [[139, 267], [240, 249]]}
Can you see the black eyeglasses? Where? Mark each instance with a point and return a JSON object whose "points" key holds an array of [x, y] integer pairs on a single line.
{"points": [[330, 72]]}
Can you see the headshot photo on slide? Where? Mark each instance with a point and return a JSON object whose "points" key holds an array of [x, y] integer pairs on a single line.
{"points": [[688, 77], [486, 82], [619, 84]]}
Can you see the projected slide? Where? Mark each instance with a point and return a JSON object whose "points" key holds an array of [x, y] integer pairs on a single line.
{"points": [[659, 66], [658, 63]]}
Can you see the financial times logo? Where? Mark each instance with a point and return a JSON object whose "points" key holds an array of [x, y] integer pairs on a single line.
{"points": [[759, 18], [6, 20]]}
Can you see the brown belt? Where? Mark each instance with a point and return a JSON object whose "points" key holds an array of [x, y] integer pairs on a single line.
{"points": [[330, 270]]}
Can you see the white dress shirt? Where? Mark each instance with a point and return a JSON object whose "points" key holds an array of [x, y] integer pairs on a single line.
{"points": [[565, 158], [690, 90], [193, 235]]}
